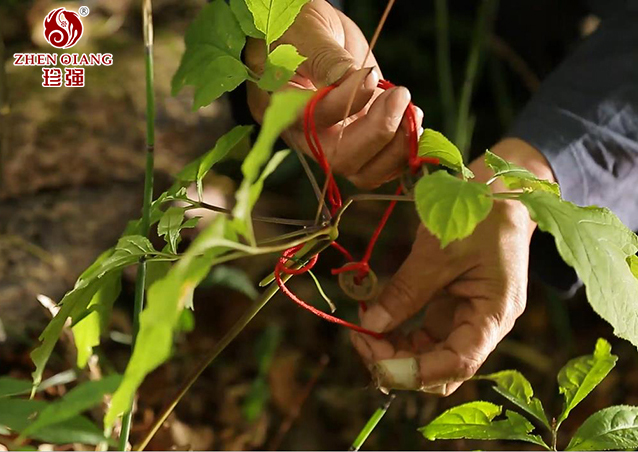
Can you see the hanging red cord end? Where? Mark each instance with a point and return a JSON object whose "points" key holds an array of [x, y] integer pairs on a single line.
{"points": [[281, 268]]}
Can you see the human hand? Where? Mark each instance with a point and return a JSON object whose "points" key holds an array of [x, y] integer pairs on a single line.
{"points": [[473, 291], [374, 146]]}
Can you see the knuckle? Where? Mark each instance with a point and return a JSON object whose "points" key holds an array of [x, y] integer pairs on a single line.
{"points": [[467, 367]]}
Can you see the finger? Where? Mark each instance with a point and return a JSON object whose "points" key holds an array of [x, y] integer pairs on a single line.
{"points": [[426, 271], [371, 349], [357, 44], [388, 164], [368, 135], [332, 109]]}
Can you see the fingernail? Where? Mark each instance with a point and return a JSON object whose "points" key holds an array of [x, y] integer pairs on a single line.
{"points": [[376, 319], [398, 101], [337, 72], [438, 390], [372, 80], [397, 374], [421, 130]]}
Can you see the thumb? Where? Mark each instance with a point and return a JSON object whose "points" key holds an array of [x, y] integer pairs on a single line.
{"points": [[420, 277], [327, 61]]}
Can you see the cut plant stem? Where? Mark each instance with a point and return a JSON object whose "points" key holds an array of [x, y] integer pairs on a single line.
{"points": [[372, 423], [147, 13]]}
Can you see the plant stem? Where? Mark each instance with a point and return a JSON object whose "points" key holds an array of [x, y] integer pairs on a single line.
{"points": [[482, 29], [554, 429], [372, 423], [444, 65], [148, 195], [220, 347]]}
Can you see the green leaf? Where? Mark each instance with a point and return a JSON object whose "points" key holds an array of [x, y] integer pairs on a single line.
{"points": [[281, 65], [160, 318], [475, 420], [245, 18], [450, 208], [90, 328], [223, 146], [596, 244], [16, 414], [76, 401], [274, 17], [516, 177], [282, 112], [169, 226], [12, 386], [632, 261], [613, 428], [435, 144], [212, 60], [512, 385], [233, 278], [581, 375]]}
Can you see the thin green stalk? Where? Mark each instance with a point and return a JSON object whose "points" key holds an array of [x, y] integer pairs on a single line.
{"points": [[372, 424], [220, 346], [482, 28], [444, 65], [140, 282]]}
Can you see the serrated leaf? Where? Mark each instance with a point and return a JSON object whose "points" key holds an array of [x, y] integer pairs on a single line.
{"points": [[234, 279], [435, 144], [12, 386], [274, 17], [76, 401], [16, 414], [212, 60], [282, 112], [613, 428], [224, 145], [516, 177], [451, 208], [169, 226], [74, 304], [160, 317], [581, 375], [475, 420], [88, 330], [281, 65], [596, 244], [245, 19], [512, 385]]}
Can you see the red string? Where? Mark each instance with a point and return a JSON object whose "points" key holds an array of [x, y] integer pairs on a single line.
{"points": [[281, 267], [333, 196]]}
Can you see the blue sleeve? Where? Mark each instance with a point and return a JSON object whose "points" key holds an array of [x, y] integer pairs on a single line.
{"points": [[584, 118]]}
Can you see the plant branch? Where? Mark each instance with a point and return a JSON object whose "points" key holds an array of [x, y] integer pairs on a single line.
{"points": [[314, 184], [218, 348], [444, 65], [372, 423], [140, 281]]}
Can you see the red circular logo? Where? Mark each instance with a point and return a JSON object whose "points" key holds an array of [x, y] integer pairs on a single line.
{"points": [[62, 28]]}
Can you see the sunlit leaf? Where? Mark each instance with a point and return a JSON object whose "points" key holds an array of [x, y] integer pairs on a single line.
{"points": [[212, 60], [282, 112], [88, 330], [516, 177], [449, 207], [475, 420], [245, 18], [274, 17], [281, 65], [581, 375], [161, 316], [632, 261], [169, 226], [596, 244], [512, 385], [613, 428], [435, 145]]}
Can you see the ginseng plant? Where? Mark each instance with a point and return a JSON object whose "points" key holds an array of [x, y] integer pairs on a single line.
{"points": [[590, 239]]}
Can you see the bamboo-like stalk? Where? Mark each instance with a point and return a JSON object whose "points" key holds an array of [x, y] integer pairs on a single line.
{"points": [[147, 13], [482, 29], [444, 65], [372, 424]]}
